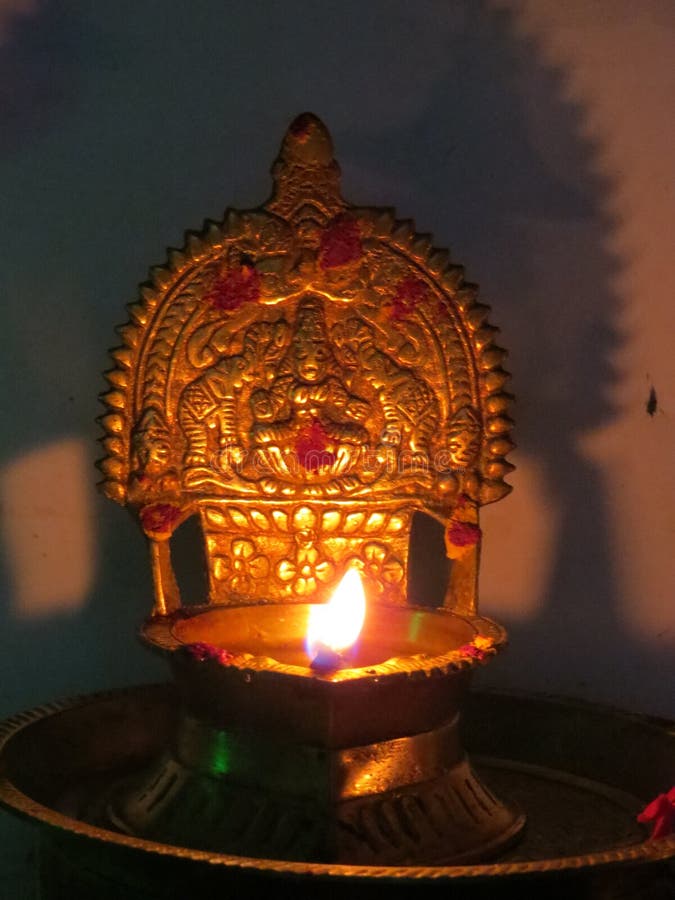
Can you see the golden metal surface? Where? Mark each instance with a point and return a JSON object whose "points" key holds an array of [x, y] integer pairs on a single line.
{"points": [[304, 377], [308, 770], [402, 800], [362, 764], [576, 763], [394, 640]]}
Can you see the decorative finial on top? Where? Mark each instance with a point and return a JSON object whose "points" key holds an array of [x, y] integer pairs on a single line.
{"points": [[306, 176], [307, 142]]}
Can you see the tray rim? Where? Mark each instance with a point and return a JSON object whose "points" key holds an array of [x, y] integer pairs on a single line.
{"points": [[16, 802]]}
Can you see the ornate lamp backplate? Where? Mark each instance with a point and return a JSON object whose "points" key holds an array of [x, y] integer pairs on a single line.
{"points": [[304, 377]]}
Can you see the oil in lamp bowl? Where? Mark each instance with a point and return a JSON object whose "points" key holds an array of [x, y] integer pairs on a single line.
{"points": [[405, 674]]}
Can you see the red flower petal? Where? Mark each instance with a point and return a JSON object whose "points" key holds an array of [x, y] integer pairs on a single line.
{"points": [[234, 288], [661, 812], [201, 651], [340, 243], [473, 651]]}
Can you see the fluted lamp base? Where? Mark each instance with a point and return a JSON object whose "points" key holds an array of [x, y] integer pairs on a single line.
{"points": [[371, 805], [276, 760]]}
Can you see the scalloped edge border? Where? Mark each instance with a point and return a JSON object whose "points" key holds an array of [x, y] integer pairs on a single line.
{"points": [[200, 247]]}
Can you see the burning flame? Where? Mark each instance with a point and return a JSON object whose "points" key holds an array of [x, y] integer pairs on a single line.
{"points": [[337, 624]]}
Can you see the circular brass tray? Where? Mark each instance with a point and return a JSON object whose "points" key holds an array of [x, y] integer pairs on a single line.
{"points": [[581, 772]]}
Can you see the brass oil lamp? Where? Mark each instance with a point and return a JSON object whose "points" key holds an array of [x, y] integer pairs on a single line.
{"points": [[303, 379]]}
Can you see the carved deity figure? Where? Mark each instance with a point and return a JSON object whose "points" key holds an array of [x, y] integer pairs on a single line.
{"points": [[409, 405], [151, 454], [307, 404], [209, 404]]}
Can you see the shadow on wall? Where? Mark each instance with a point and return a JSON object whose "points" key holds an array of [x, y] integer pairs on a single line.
{"points": [[440, 109], [521, 193]]}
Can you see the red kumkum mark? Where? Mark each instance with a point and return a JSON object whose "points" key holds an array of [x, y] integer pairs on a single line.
{"points": [[311, 447], [234, 288], [480, 648], [463, 534], [201, 651], [301, 128], [340, 243], [473, 652], [410, 293], [159, 518], [661, 813]]}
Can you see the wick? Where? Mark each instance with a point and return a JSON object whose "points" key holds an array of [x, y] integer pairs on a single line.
{"points": [[326, 660]]}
